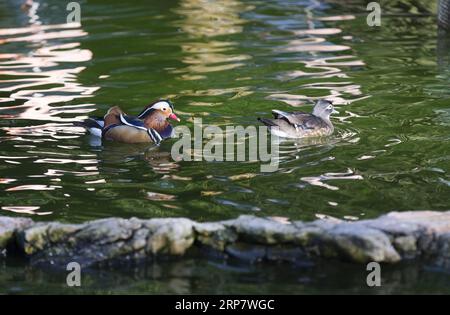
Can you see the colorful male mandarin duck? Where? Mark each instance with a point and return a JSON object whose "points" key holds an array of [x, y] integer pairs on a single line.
{"points": [[300, 124], [151, 125]]}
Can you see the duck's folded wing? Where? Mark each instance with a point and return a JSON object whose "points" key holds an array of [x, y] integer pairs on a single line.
{"points": [[308, 122], [300, 119], [289, 117], [132, 121], [139, 124]]}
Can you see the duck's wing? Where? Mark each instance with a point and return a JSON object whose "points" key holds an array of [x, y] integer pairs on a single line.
{"points": [[291, 117], [131, 121], [112, 117], [308, 122], [139, 124], [300, 119]]}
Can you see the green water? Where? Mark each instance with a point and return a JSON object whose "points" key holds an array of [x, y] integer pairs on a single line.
{"points": [[227, 63], [212, 276]]}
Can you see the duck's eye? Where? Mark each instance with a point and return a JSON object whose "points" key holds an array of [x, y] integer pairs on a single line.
{"points": [[330, 107], [164, 109]]}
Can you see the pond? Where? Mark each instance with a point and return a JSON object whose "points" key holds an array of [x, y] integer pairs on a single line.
{"points": [[228, 64]]}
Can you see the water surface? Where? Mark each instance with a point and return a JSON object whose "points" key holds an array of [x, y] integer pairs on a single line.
{"points": [[227, 64]]}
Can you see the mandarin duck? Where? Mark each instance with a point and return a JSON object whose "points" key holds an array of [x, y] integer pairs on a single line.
{"points": [[151, 125]]}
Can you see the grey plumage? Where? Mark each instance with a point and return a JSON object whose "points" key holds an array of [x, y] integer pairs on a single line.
{"points": [[300, 124]]}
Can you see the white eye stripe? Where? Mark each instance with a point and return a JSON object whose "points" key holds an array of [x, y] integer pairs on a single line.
{"points": [[160, 105]]}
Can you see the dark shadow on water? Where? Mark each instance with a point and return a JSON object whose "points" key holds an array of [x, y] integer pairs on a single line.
{"points": [[157, 157], [192, 275]]}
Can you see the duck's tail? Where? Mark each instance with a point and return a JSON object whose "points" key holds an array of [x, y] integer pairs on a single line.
{"points": [[276, 127], [93, 124], [268, 122]]}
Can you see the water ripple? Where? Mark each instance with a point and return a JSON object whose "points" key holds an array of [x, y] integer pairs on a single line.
{"points": [[43, 76], [39, 82], [320, 180]]}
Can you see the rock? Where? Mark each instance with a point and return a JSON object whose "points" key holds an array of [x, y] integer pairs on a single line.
{"points": [[8, 227], [170, 236], [391, 238], [439, 220], [57, 232], [214, 235], [105, 240], [362, 244], [413, 233], [34, 239], [406, 245], [261, 230], [392, 226], [443, 253], [309, 235], [107, 231]]}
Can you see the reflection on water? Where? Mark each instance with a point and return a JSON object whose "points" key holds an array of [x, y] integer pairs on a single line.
{"points": [[25, 210], [41, 82], [43, 90], [219, 276], [319, 180], [42, 77], [204, 22], [207, 53], [37, 79], [303, 149], [309, 46]]}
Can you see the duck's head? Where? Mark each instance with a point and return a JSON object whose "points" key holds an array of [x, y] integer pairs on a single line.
{"points": [[324, 109], [163, 108]]}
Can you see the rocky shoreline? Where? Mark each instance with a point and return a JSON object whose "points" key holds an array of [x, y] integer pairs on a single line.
{"points": [[392, 238]]}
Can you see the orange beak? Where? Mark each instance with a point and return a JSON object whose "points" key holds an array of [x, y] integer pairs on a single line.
{"points": [[174, 117]]}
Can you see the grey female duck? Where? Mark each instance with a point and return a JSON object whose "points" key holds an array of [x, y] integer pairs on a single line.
{"points": [[300, 124]]}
